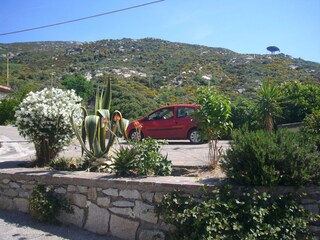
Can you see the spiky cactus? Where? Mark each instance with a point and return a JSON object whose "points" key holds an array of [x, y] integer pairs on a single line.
{"points": [[99, 131]]}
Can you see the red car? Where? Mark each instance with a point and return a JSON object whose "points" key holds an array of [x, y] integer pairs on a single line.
{"points": [[169, 122]]}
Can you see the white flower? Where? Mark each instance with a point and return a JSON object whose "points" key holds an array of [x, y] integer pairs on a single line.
{"points": [[45, 115]]}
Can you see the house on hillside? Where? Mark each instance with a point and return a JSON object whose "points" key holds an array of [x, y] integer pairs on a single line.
{"points": [[4, 91]]}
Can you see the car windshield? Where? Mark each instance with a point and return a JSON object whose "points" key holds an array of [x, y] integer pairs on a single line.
{"points": [[165, 113]]}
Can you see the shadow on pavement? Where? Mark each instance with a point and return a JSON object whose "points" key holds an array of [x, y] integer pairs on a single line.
{"points": [[13, 164], [16, 225]]}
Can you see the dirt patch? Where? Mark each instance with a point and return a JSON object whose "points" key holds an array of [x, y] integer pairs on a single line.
{"points": [[201, 172], [182, 171]]}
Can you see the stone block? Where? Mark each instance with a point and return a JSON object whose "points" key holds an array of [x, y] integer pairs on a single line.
{"points": [[308, 201], [103, 201], [148, 196], [113, 192], [122, 211], [71, 188], [123, 204], [82, 189], [92, 193], [123, 228], [97, 220], [21, 181], [145, 212], [27, 186], [76, 218], [4, 186], [21, 204], [11, 193], [167, 227], [14, 185], [130, 194], [312, 208], [6, 203], [25, 194], [6, 180], [60, 190], [151, 235], [78, 200], [158, 197]]}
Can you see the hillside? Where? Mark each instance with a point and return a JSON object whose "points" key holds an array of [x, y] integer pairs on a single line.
{"points": [[163, 71]]}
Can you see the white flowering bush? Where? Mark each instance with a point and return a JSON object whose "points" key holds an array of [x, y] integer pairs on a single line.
{"points": [[44, 118]]}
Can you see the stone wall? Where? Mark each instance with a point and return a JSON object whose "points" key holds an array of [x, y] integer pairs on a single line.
{"points": [[121, 207], [103, 204]]}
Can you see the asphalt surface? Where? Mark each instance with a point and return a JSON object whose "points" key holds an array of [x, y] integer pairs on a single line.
{"points": [[16, 150], [20, 226]]}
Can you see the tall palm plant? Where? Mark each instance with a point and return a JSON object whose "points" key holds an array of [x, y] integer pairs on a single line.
{"points": [[269, 104]]}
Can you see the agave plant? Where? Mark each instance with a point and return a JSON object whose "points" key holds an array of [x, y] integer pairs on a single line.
{"points": [[99, 131]]}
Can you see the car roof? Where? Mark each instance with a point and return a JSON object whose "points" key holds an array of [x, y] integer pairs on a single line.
{"points": [[181, 105]]}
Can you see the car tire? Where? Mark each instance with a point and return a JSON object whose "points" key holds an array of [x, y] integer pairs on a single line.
{"points": [[194, 136], [133, 135]]}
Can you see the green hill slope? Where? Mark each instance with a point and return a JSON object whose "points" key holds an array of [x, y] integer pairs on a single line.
{"points": [[153, 71]]}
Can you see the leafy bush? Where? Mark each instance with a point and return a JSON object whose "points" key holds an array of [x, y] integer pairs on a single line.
{"points": [[226, 215], [214, 114], [244, 113], [45, 204], [125, 162], [299, 99], [311, 126], [269, 159], [142, 158], [312, 123], [43, 117], [80, 84], [7, 109], [67, 164]]}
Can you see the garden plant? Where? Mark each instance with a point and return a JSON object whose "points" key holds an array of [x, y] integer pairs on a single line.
{"points": [[268, 105], [45, 204], [214, 114], [226, 214], [263, 158], [100, 130], [44, 118], [142, 158]]}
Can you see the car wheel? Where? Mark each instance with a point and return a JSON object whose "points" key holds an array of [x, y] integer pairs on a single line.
{"points": [[194, 136], [135, 136]]}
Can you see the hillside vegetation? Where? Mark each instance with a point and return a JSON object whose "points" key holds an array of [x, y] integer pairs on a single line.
{"points": [[147, 73]]}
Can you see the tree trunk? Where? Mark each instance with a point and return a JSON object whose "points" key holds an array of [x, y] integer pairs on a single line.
{"points": [[44, 153]]}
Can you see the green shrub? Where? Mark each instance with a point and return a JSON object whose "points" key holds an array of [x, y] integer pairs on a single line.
{"points": [[142, 158], [45, 204], [125, 162], [244, 113], [269, 159], [226, 215], [311, 126], [7, 110], [312, 123], [67, 164]]}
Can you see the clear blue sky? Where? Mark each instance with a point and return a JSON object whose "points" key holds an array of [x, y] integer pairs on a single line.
{"points": [[243, 26]]}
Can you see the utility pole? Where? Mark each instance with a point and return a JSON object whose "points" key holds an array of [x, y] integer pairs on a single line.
{"points": [[7, 69]]}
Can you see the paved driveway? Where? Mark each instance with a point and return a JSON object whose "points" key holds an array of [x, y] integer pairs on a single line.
{"points": [[21, 226], [15, 149]]}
